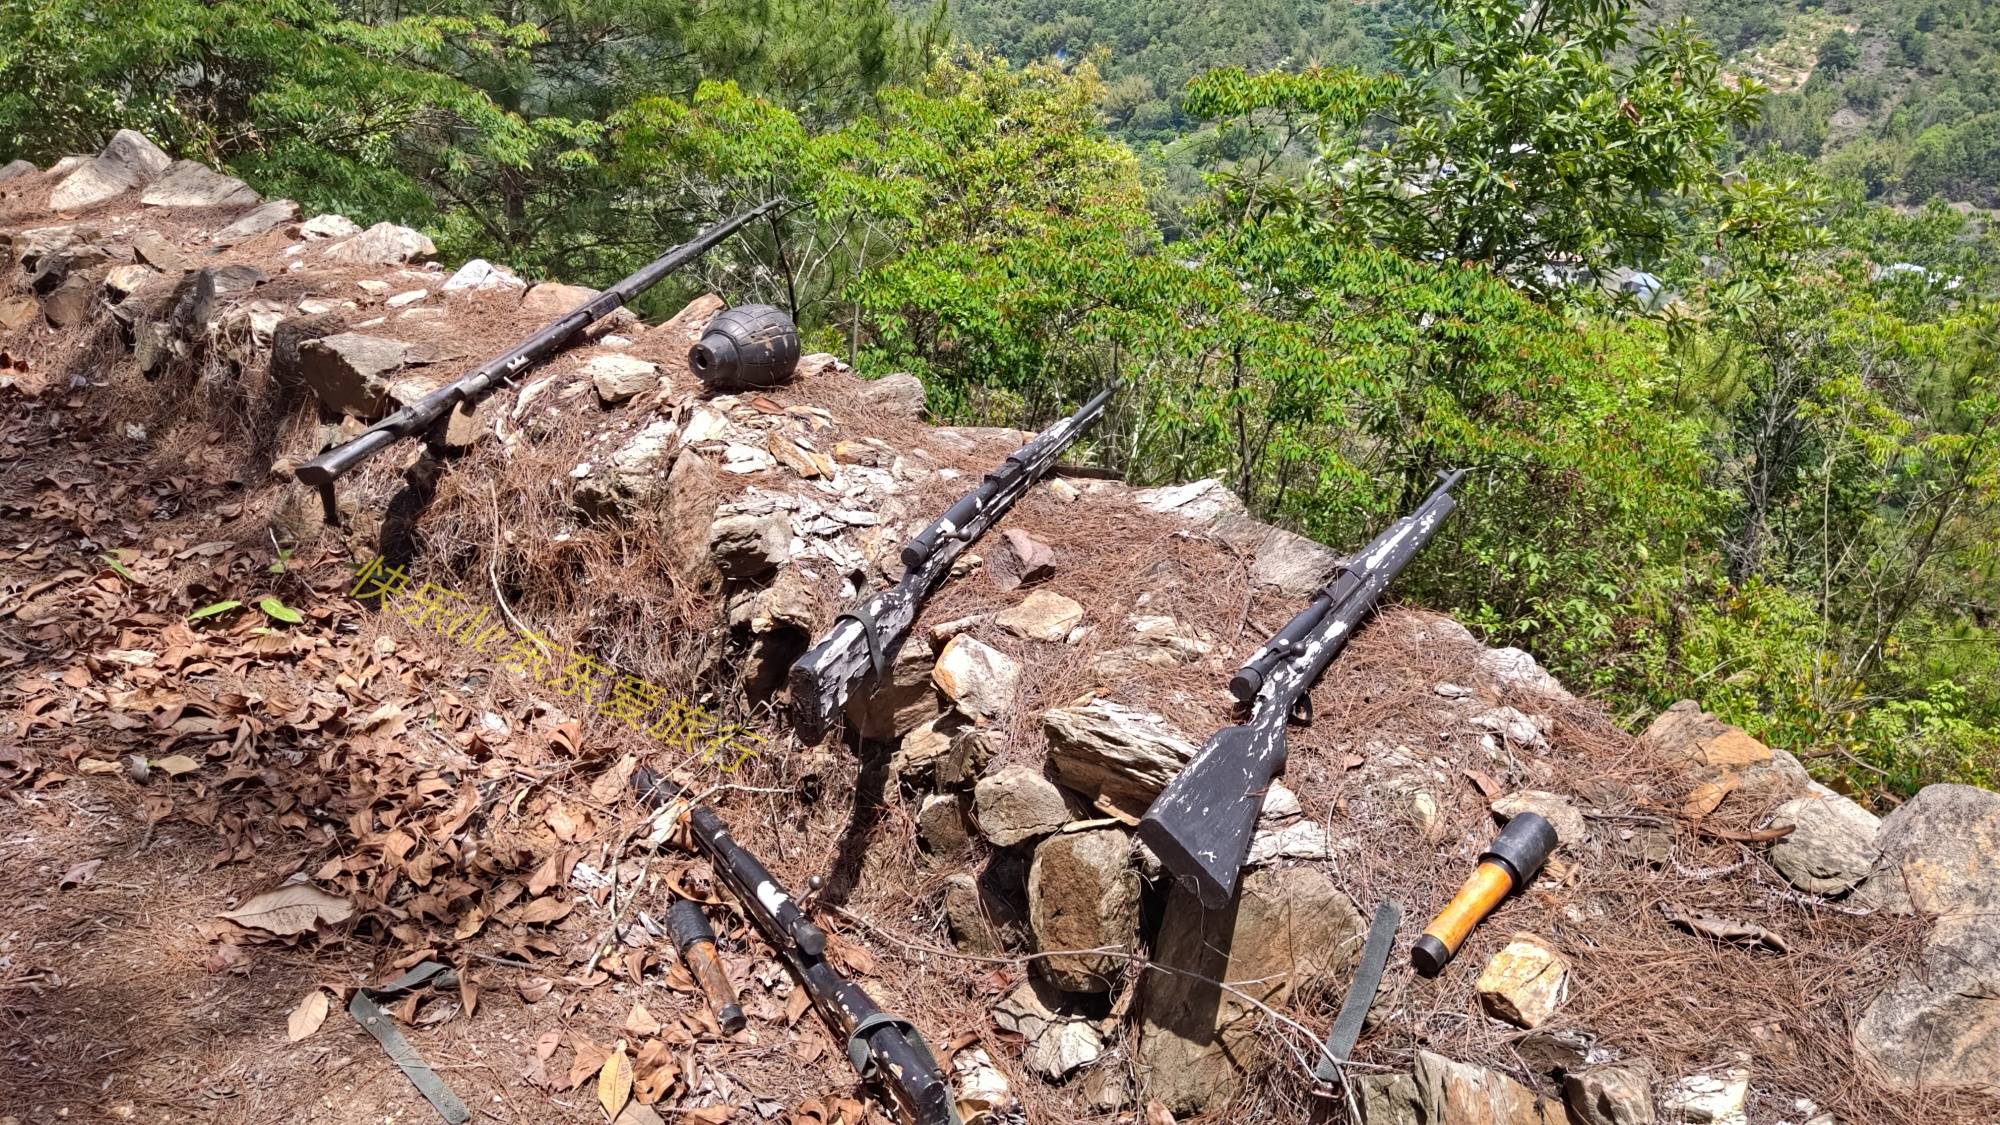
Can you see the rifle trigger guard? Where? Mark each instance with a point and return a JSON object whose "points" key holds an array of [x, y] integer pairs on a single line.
{"points": [[1302, 710]]}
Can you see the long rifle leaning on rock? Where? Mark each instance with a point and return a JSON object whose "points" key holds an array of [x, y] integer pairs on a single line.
{"points": [[883, 1049], [866, 638], [1201, 823], [419, 417]]}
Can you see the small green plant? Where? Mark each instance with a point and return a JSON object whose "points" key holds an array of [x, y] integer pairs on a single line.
{"points": [[214, 609], [279, 611]]}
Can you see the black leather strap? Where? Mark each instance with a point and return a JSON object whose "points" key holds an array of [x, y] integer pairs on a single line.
{"points": [[1360, 992]]}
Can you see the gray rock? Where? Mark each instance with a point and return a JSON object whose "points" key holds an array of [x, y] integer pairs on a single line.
{"points": [[72, 302], [16, 311], [153, 249], [258, 220], [1108, 751], [1294, 564], [1518, 729], [749, 546], [1705, 1099], [977, 677], [899, 394], [1289, 928], [1197, 502], [1556, 809], [1155, 641], [28, 247], [1832, 845], [978, 920], [1019, 558], [1610, 1095], [129, 161], [350, 372], [1058, 1041], [1388, 1099], [619, 377], [1017, 805], [123, 281], [16, 168], [1937, 1025], [1042, 616], [633, 478], [1525, 982], [694, 491], [1464, 1094], [1083, 893], [239, 278], [553, 298], [971, 749], [479, 274], [328, 226], [1940, 853], [1711, 750], [384, 244], [916, 757], [886, 711], [189, 183], [1303, 839], [941, 827], [1514, 668]]}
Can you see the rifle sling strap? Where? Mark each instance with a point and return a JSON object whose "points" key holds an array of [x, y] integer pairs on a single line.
{"points": [[366, 1008], [1361, 992], [878, 661], [864, 1063]]}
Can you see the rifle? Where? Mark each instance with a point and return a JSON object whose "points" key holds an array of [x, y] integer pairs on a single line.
{"points": [[418, 417], [883, 1048], [1201, 823], [866, 637]]}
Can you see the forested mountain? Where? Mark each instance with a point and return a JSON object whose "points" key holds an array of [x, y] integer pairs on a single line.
{"points": [[1899, 94], [1771, 483]]}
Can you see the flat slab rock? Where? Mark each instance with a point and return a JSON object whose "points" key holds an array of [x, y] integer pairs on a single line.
{"points": [[1288, 928]]}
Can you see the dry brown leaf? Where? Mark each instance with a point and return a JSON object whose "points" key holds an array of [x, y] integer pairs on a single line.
{"points": [[796, 1005], [1489, 787], [533, 989], [562, 824], [614, 1082], [1707, 796], [547, 1042], [589, 1060], [640, 1023], [1157, 1114], [468, 994], [79, 875], [709, 1115], [308, 1016], [291, 910], [636, 1113], [469, 925], [174, 765], [543, 910]]}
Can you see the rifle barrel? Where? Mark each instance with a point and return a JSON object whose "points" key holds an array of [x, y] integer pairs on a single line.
{"points": [[414, 419], [1201, 824]]}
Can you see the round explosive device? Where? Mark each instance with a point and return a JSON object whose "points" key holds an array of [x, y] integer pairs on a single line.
{"points": [[746, 347]]}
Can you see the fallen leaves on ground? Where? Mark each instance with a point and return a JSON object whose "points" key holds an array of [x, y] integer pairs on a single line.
{"points": [[291, 910], [308, 1016]]}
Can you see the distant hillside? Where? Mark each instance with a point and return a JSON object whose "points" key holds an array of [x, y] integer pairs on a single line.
{"points": [[1154, 46], [1903, 95]]}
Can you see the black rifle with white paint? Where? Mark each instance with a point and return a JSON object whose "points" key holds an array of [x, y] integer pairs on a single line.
{"points": [[883, 1049], [865, 639], [419, 417], [1201, 824]]}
